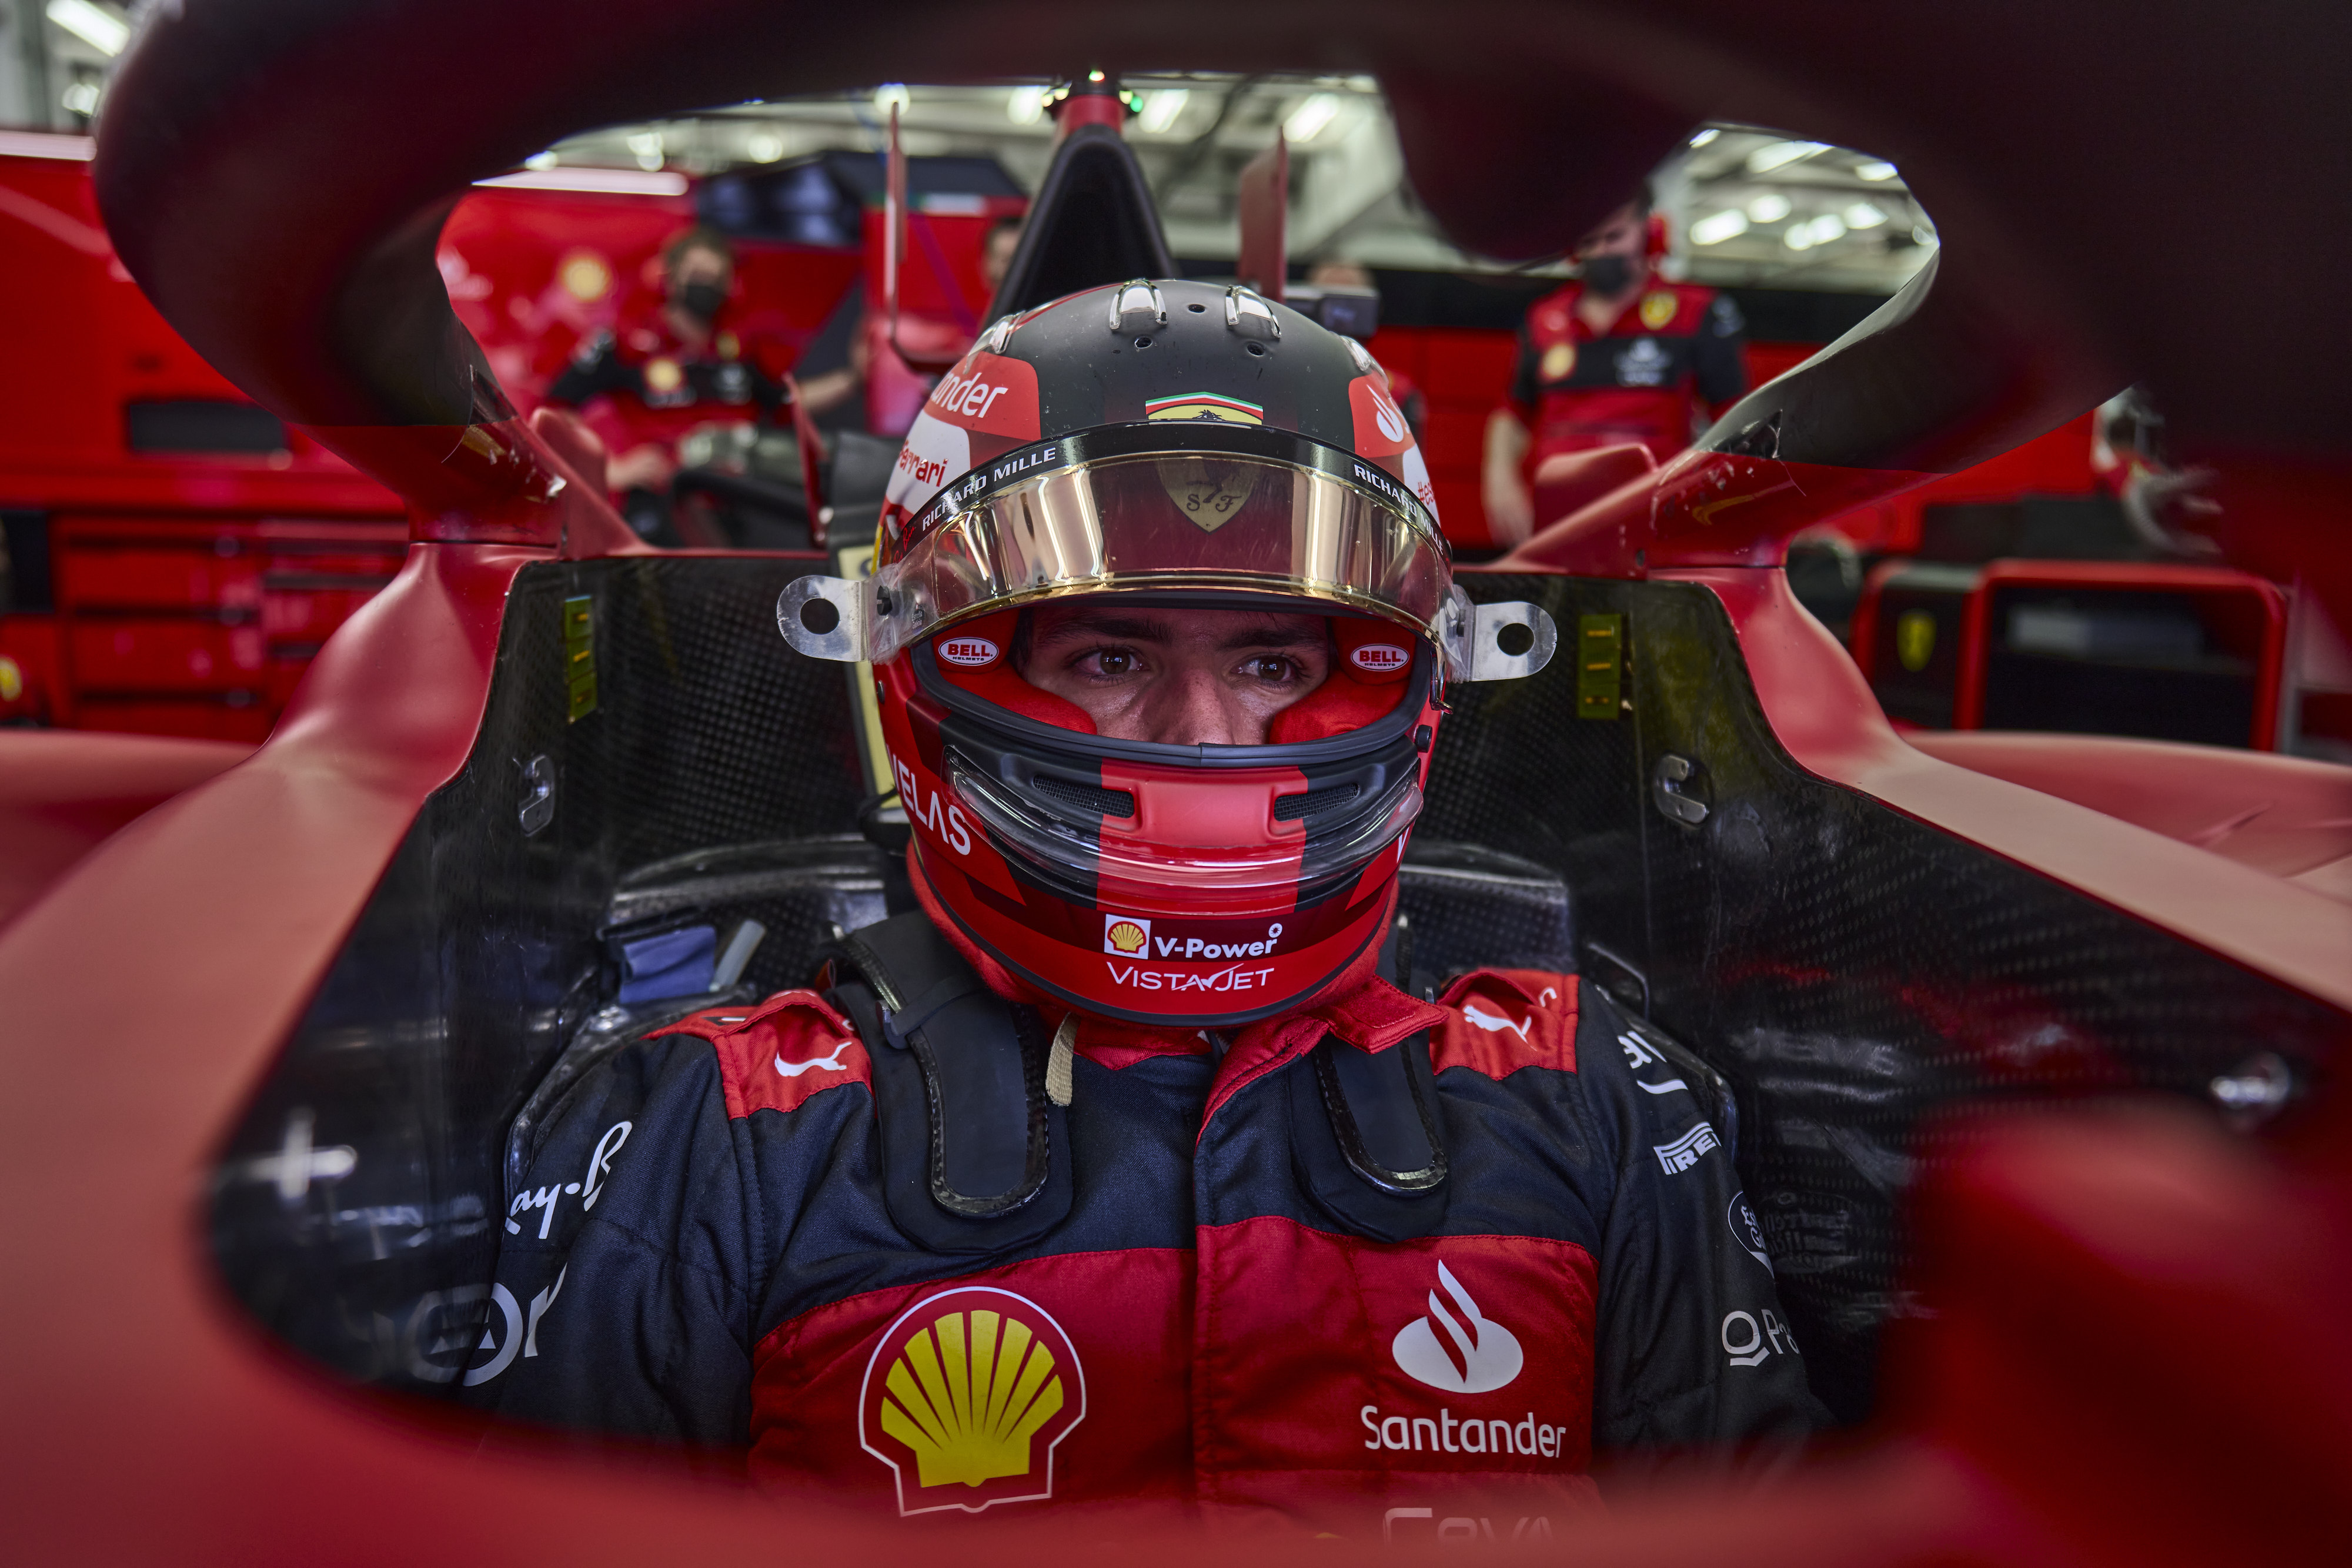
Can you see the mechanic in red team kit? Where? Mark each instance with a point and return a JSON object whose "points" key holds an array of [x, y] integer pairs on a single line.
{"points": [[658, 376], [1619, 355], [1139, 1166]]}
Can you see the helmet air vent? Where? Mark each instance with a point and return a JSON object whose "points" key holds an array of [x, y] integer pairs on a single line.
{"points": [[1117, 804], [1137, 308], [1291, 808], [1248, 314]]}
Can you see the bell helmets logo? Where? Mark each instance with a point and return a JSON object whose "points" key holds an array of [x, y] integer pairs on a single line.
{"points": [[1380, 658], [971, 652], [1476, 1354], [966, 1398], [1126, 936]]}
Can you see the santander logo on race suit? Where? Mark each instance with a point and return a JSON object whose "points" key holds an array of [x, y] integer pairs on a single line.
{"points": [[1477, 1355]]}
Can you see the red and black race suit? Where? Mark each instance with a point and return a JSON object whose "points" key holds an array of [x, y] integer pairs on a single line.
{"points": [[701, 1254], [645, 384], [1670, 360]]}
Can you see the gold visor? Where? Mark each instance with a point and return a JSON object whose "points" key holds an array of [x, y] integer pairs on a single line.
{"points": [[1179, 521]]}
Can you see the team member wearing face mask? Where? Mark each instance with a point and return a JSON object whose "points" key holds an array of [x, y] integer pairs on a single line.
{"points": [[1617, 356], [672, 370]]}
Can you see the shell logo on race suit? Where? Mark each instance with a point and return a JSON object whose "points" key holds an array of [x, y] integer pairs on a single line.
{"points": [[966, 1397]]}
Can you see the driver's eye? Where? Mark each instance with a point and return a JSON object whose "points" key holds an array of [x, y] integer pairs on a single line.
{"points": [[1114, 662], [1269, 667]]}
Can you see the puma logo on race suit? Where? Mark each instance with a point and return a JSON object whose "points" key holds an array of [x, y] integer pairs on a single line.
{"points": [[833, 1062], [1493, 1025], [1477, 1354]]}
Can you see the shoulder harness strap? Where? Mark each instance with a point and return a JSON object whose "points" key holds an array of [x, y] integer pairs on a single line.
{"points": [[1366, 1140], [960, 1093]]}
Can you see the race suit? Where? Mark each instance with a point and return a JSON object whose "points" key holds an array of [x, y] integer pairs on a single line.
{"points": [[1670, 360], [703, 1252], [645, 385]]}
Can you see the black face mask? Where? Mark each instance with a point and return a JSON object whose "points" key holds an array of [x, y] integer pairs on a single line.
{"points": [[700, 300], [1608, 273]]}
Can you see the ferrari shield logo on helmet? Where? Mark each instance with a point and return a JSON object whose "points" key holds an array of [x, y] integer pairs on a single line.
{"points": [[1206, 405], [966, 1398], [1209, 493]]}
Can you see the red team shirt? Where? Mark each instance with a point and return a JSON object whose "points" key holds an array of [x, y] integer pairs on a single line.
{"points": [[1670, 360]]}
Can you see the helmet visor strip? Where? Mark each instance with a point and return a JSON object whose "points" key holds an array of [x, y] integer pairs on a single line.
{"points": [[1175, 520]]}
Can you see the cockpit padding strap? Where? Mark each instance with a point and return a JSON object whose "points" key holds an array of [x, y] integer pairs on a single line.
{"points": [[1365, 1137], [967, 1130]]}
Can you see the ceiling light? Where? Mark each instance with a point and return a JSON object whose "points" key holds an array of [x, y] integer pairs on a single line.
{"points": [[1828, 229], [82, 97], [892, 92], [1716, 228], [1779, 154], [1876, 169], [45, 145], [1025, 105], [1799, 236], [599, 182], [542, 162], [1307, 121], [1160, 108], [1704, 137], [765, 146], [96, 26], [1768, 208], [1862, 216], [648, 146]]}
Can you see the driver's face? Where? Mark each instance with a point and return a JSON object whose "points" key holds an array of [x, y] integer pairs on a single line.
{"points": [[1186, 677]]}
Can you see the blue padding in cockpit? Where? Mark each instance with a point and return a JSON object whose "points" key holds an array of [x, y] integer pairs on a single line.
{"points": [[670, 963]]}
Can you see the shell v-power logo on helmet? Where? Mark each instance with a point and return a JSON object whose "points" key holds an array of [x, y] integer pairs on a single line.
{"points": [[1126, 936], [966, 1398]]}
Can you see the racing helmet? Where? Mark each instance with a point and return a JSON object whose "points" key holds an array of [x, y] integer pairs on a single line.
{"points": [[1175, 445]]}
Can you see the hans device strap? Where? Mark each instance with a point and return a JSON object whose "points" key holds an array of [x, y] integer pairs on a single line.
{"points": [[967, 1131], [1365, 1140]]}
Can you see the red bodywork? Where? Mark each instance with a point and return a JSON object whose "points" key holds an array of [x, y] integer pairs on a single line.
{"points": [[2247, 614], [2128, 1360], [191, 589]]}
